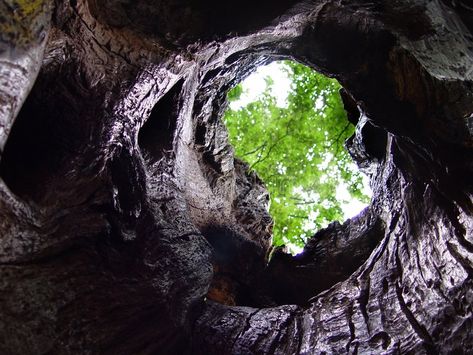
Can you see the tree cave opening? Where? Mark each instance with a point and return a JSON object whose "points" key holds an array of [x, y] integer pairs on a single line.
{"points": [[288, 123]]}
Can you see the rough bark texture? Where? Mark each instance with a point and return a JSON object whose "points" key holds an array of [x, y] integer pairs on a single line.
{"points": [[126, 225]]}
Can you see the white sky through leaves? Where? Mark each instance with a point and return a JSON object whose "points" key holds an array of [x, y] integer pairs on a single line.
{"points": [[253, 88], [255, 84]]}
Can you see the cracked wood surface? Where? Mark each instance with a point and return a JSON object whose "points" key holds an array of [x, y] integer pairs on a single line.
{"points": [[123, 212]]}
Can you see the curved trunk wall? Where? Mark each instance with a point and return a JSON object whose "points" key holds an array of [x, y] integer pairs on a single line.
{"points": [[127, 226]]}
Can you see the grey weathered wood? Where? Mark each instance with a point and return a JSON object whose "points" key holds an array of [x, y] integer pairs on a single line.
{"points": [[121, 204]]}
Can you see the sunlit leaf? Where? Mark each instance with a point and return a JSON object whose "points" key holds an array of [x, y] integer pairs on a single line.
{"points": [[298, 151]]}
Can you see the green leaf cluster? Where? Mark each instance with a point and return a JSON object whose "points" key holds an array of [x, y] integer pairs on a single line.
{"points": [[298, 151]]}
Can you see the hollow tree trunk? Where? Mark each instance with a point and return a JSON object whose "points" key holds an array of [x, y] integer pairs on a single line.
{"points": [[127, 226]]}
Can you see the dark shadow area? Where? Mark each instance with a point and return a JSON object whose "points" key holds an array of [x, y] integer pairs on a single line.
{"points": [[186, 20], [242, 16], [47, 135], [157, 133], [236, 261], [332, 255]]}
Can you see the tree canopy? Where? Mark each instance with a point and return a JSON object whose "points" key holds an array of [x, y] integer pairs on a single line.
{"points": [[298, 151]]}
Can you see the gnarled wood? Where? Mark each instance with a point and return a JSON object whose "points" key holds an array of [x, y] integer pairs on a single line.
{"points": [[124, 216]]}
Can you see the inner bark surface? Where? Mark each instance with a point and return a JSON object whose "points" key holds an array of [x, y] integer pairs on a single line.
{"points": [[127, 226]]}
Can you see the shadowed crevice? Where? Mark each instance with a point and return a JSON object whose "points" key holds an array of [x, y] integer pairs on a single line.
{"points": [[50, 132], [157, 134]]}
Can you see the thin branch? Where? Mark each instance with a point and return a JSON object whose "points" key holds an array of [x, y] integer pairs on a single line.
{"points": [[301, 201], [297, 216], [255, 150], [338, 137], [268, 152], [305, 203]]}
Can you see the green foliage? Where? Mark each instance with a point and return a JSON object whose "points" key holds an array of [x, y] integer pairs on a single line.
{"points": [[297, 151]]}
